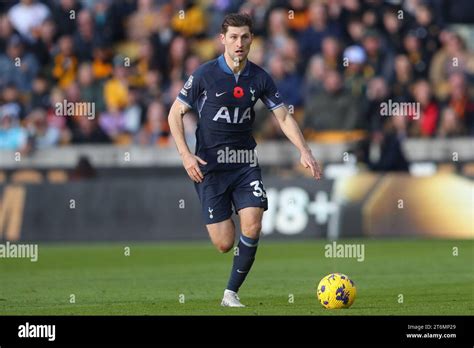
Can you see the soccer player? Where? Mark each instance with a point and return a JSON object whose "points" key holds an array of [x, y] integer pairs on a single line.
{"points": [[225, 173]]}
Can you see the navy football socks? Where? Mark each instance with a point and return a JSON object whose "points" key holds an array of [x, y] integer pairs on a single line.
{"points": [[243, 260]]}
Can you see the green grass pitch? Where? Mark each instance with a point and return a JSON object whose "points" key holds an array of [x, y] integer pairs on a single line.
{"points": [[152, 280]]}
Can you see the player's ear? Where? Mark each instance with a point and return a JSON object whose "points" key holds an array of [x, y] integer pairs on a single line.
{"points": [[222, 37]]}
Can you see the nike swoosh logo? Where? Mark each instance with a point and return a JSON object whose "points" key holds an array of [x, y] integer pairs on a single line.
{"points": [[219, 94], [239, 271]]}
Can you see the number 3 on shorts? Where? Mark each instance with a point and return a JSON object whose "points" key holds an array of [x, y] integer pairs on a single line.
{"points": [[257, 190]]}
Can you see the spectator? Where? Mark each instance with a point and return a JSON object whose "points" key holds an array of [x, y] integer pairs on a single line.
{"points": [[116, 88], [334, 108], [107, 19], [143, 63], [56, 96], [258, 10], [12, 135], [101, 63], [65, 63], [155, 131], [403, 78], [461, 102], [310, 40], [287, 82], [299, 19], [424, 124], [172, 92], [27, 16], [370, 17], [291, 56], [350, 9], [142, 22], [450, 125], [331, 52], [378, 92], [278, 32], [86, 36], [45, 44], [11, 97], [40, 93], [132, 114], [392, 157], [393, 29], [71, 95], [191, 64], [416, 54], [41, 134], [17, 66], [314, 77], [427, 29], [64, 15], [354, 79], [152, 90], [161, 39], [379, 62], [87, 131], [355, 31], [91, 89], [113, 124], [6, 31], [195, 23], [453, 57], [177, 56]]}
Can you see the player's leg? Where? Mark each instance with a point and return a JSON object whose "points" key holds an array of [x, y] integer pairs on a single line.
{"points": [[222, 235], [251, 225], [251, 221], [249, 198]]}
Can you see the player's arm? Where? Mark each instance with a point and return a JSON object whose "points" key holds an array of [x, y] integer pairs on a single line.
{"points": [[290, 128], [190, 161]]}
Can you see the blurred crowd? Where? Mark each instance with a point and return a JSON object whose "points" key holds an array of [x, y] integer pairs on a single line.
{"points": [[335, 62]]}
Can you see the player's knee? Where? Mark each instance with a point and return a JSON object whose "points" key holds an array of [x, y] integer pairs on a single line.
{"points": [[252, 230], [224, 247]]}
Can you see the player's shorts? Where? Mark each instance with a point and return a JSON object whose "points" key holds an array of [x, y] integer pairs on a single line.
{"points": [[220, 190]]}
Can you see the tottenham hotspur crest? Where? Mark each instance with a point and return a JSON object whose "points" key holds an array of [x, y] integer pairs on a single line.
{"points": [[210, 213], [253, 93]]}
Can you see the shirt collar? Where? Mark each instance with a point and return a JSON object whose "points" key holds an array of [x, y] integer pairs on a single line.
{"points": [[225, 68]]}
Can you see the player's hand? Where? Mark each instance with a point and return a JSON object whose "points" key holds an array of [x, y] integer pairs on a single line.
{"points": [[308, 161], [191, 164]]}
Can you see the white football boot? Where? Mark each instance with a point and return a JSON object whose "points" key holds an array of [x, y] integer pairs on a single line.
{"points": [[231, 299]]}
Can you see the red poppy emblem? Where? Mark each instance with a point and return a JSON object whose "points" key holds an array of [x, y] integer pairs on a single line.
{"points": [[238, 92]]}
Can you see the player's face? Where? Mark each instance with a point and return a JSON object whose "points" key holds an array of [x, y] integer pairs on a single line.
{"points": [[237, 42]]}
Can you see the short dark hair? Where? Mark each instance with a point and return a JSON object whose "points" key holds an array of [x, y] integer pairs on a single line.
{"points": [[236, 20]]}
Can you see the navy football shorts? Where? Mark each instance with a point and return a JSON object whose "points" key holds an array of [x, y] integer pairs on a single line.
{"points": [[220, 190]]}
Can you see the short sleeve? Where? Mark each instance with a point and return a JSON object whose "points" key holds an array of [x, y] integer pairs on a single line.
{"points": [[270, 96], [191, 90]]}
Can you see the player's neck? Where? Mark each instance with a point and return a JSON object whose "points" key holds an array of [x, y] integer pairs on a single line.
{"points": [[231, 64]]}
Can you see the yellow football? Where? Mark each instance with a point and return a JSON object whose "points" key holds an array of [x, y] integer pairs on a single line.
{"points": [[336, 291]]}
